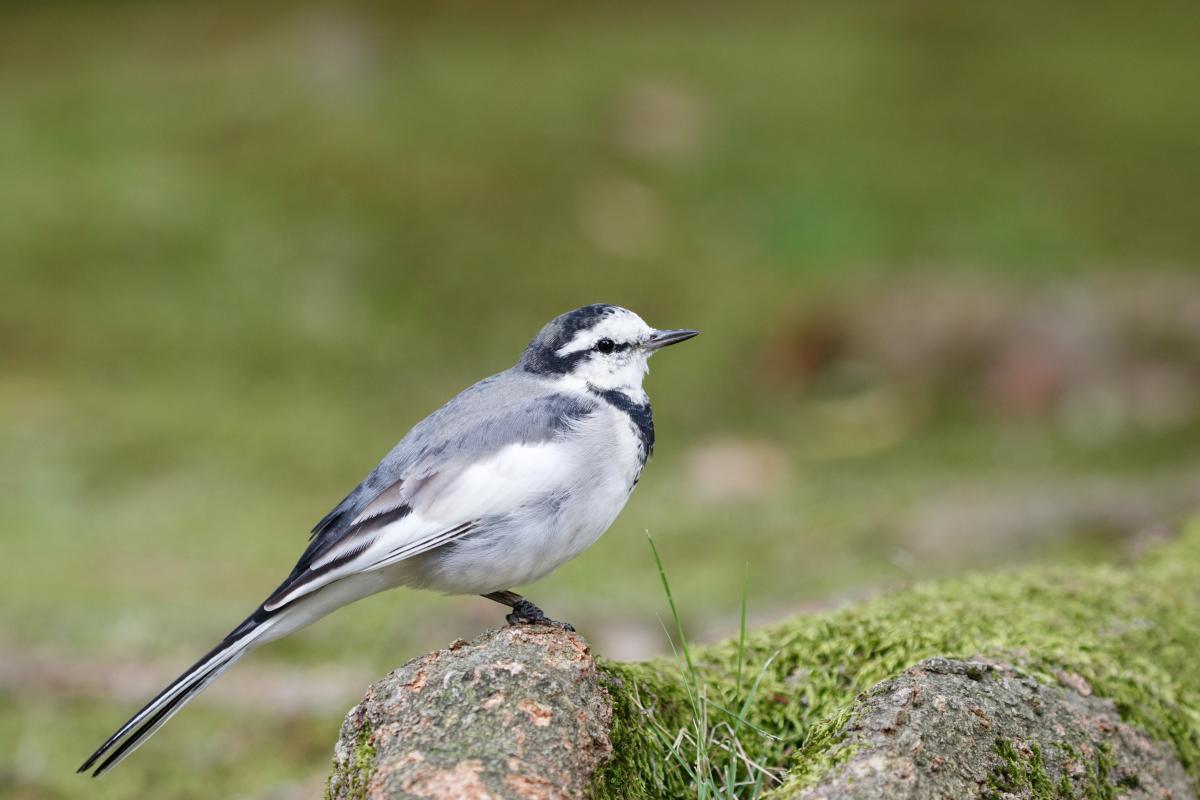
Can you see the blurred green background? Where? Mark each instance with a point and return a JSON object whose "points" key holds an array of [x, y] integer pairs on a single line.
{"points": [[943, 255]]}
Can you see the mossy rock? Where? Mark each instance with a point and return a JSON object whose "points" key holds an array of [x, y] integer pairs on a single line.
{"points": [[959, 729], [1131, 633], [1112, 643]]}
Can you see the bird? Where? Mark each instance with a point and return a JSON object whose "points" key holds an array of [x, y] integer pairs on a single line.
{"points": [[503, 484]]}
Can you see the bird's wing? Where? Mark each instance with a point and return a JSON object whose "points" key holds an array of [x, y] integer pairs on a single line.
{"points": [[492, 449]]}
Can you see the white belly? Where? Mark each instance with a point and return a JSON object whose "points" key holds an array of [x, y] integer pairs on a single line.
{"points": [[521, 546]]}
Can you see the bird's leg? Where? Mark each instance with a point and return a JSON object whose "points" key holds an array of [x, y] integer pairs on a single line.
{"points": [[525, 612]]}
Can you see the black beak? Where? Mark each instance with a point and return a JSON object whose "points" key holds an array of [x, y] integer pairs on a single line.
{"points": [[660, 339]]}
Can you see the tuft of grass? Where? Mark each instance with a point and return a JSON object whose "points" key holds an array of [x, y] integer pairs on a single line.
{"points": [[709, 748]]}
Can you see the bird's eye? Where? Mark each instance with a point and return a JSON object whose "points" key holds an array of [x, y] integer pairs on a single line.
{"points": [[606, 345]]}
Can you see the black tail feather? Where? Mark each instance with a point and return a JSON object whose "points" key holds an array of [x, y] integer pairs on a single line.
{"points": [[175, 695], [151, 725]]}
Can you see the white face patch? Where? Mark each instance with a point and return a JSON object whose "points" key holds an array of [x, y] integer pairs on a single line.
{"points": [[623, 327], [624, 368]]}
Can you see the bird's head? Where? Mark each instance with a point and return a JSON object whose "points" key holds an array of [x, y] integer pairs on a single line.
{"points": [[600, 346]]}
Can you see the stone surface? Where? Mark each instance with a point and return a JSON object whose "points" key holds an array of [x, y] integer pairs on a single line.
{"points": [[516, 713], [952, 729]]}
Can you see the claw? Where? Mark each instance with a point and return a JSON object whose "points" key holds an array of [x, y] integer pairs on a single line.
{"points": [[526, 613]]}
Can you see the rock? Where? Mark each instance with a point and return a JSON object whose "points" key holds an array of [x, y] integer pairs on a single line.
{"points": [[964, 729], [516, 713]]}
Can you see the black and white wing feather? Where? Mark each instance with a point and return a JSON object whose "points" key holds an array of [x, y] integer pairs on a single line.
{"points": [[492, 448]]}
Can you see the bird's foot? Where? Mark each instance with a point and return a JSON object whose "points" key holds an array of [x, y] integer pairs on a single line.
{"points": [[526, 613]]}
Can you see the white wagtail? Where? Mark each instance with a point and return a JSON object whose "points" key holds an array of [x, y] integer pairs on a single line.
{"points": [[499, 487]]}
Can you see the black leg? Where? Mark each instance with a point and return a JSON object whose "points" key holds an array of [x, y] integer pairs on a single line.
{"points": [[525, 612]]}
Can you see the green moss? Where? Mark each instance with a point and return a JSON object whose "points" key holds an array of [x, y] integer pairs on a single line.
{"points": [[641, 768], [356, 774], [1130, 632], [1025, 774], [824, 749]]}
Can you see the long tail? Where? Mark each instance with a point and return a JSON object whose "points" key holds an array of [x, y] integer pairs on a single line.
{"points": [[170, 700]]}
